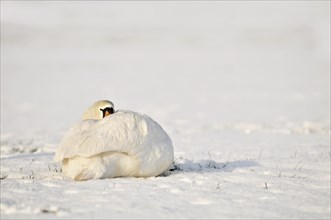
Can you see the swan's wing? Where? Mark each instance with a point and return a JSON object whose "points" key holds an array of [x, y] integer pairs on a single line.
{"points": [[125, 131], [73, 139]]}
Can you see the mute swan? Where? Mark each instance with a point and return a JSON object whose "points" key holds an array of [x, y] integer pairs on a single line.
{"points": [[108, 144]]}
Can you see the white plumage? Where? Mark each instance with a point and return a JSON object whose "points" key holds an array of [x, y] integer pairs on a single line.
{"points": [[125, 143]]}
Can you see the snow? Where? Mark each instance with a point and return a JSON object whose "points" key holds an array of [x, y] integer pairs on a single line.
{"points": [[242, 89]]}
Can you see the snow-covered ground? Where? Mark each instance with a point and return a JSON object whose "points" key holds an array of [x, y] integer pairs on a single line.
{"points": [[242, 88]]}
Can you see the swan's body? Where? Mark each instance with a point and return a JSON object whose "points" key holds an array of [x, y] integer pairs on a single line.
{"points": [[125, 143]]}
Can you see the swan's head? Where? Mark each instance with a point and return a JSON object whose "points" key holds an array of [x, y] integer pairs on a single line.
{"points": [[99, 110]]}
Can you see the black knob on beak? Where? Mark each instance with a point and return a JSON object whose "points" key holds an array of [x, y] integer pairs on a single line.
{"points": [[107, 111]]}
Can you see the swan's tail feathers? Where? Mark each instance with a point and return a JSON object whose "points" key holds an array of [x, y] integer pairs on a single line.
{"points": [[84, 175], [80, 168], [104, 165]]}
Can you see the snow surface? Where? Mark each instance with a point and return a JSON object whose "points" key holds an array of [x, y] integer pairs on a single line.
{"points": [[242, 88]]}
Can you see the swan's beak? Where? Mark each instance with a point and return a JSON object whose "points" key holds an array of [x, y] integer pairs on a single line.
{"points": [[107, 111]]}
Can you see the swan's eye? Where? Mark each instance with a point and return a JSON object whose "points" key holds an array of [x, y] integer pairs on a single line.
{"points": [[107, 111]]}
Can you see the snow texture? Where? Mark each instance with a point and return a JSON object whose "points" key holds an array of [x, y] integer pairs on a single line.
{"points": [[242, 88]]}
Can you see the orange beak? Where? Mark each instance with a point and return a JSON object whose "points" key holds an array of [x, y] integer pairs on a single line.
{"points": [[106, 113]]}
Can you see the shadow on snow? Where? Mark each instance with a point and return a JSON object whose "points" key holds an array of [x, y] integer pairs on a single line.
{"points": [[185, 165]]}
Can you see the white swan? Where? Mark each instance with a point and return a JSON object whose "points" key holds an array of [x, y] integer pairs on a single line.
{"points": [[110, 144]]}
